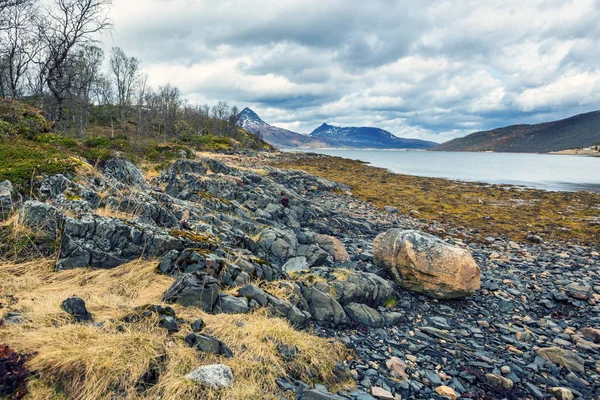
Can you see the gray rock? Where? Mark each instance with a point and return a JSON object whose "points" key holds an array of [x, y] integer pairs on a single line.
{"points": [[253, 293], [285, 309], [76, 307], [364, 315], [98, 242], [208, 344], [295, 264], [324, 308], [278, 244], [123, 171], [194, 289], [231, 305], [314, 394], [41, 216], [216, 376], [6, 199]]}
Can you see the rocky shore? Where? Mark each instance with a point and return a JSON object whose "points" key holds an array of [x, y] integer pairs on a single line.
{"points": [[424, 316]]}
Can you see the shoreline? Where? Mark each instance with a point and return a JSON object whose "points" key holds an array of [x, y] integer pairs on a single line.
{"points": [[508, 210]]}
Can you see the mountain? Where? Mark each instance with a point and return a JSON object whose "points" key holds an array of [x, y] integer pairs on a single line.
{"points": [[276, 136], [582, 130], [365, 137]]}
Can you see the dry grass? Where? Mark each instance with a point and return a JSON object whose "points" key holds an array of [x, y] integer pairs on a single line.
{"points": [[489, 209], [79, 361]]}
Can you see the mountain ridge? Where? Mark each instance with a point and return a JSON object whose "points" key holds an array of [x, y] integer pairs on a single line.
{"points": [[276, 136], [368, 137], [328, 136], [578, 131]]}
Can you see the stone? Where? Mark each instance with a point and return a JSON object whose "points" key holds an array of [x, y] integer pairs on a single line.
{"points": [[397, 368], [325, 309], [208, 344], [364, 315], [197, 326], [579, 291], [446, 391], [314, 394], [334, 247], [76, 307], [592, 334], [381, 393], [425, 264], [123, 171], [194, 289], [215, 376], [41, 216], [253, 293], [499, 381], [295, 264], [561, 393], [231, 305], [564, 358]]}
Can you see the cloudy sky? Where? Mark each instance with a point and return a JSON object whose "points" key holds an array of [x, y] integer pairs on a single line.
{"points": [[433, 71]]}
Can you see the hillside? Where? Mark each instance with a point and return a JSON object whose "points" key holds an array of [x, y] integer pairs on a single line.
{"points": [[366, 137], [278, 137], [579, 131]]}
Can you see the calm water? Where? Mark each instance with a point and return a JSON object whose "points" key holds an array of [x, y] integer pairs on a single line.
{"points": [[549, 172]]}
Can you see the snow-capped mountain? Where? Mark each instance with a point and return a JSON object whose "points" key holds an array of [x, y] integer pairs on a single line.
{"points": [[367, 137], [276, 136]]}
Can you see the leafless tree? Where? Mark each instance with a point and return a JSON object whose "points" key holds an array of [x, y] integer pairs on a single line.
{"points": [[18, 48], [125, 71], [66, 25]]}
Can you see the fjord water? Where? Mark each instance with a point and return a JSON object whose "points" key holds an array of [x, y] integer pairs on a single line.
{"points": [[540, 171]]}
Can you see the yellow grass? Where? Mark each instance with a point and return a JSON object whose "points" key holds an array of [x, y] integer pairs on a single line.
{"points": [[108, 360]]}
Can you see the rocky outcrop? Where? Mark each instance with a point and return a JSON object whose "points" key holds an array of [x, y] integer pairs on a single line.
{"points": [[124, 172], [423, 263], [7, 203], [99, 242], [42, 217]]}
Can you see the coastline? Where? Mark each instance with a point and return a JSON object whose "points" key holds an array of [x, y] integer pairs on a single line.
{"points": [[507, 210]]}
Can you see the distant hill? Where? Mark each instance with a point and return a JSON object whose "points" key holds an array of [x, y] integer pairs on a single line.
{"points": [[275, 136], [365, 137], [582, 130]]}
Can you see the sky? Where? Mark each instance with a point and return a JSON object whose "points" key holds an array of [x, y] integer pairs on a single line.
{"points": [[432, 70]]}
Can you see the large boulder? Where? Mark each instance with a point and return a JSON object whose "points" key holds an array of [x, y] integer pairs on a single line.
{"points": [[423, 263]]}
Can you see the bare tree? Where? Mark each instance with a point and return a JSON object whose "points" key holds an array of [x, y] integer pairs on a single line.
{"points": [[5, 7], [84, 75], [169, 101], [18, 48], [125, 71], [65, 26]]}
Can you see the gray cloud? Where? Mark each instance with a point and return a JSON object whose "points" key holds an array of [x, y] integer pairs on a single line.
{"points": [[433, 70]]}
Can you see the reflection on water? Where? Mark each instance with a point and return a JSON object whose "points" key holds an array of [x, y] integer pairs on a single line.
{"points": [[541, 171]]}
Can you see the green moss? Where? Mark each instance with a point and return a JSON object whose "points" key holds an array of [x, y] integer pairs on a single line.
{"points": [[51, 138], [24, 120], [22, 160], [391, 302]]}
